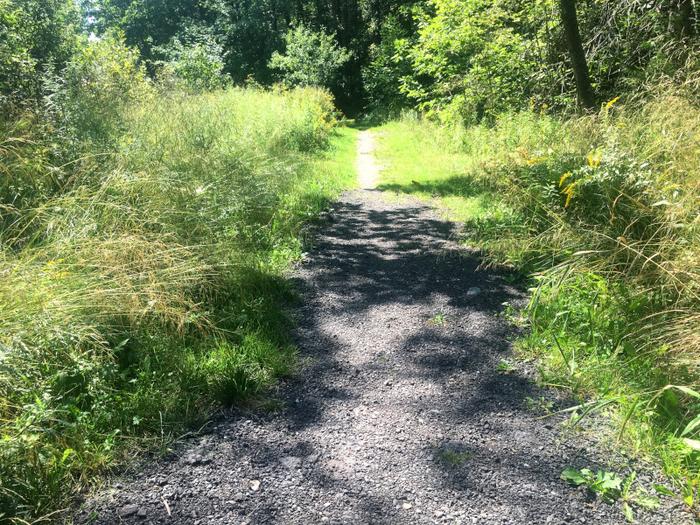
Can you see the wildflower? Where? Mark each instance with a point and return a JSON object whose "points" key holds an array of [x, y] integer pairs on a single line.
{"points": [[611, 103], [564, 177], [594, 158]]}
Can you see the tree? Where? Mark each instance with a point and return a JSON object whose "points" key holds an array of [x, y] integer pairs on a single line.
{"points": [[577, 55], [197, 64], [310, 59], [37, 37]]}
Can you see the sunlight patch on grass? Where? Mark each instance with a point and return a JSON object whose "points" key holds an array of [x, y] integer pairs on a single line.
{"points": [[417, 160]]}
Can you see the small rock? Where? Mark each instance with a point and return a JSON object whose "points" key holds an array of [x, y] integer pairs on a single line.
{"points": [[291, 462], [197, 459], [406, 505], [254, 485], [128, 510], [473, 291]]}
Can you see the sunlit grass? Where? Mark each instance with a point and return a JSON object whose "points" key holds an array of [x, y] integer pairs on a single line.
{"points": [[420, 159], [599, 213], [146, 288]]}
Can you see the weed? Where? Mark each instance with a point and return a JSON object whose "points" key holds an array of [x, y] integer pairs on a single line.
{"points": [[610, 487], [454, 458], [438, 320], [539, 405], [504, 367]]}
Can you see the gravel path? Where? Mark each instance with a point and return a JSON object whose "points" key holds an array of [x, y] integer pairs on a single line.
{"points": [[399, 414]]}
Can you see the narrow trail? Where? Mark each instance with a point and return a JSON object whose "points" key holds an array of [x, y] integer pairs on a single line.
{"points": [[367, 168], [399, 414]]}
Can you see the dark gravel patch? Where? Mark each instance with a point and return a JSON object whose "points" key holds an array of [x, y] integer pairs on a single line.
{"points": [[399, 415]]}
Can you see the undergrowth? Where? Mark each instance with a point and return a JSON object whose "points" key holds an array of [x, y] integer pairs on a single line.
{"points": [[600, 213], [142, 254]]}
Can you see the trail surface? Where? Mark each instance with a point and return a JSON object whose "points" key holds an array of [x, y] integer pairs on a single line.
{"points": [[399, 414]]}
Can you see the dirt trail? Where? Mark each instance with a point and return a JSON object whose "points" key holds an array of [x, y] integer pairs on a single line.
{"points": [[399, 414], [367, 168]]}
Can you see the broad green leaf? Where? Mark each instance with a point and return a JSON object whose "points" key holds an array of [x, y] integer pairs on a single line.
{"points": [[611, 481], [647, 502], [661, 489], [695, 423], [573, 475], [66, 454], [684, 389], [692, 443]]}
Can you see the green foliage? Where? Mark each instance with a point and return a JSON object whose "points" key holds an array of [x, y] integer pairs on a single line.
{"points": [[310, 58], [36, 38], [250, 32], [198, 67], [145, 287], [504, 367], [454, 458], [388, 64], [94, 90], [600, 212], [469, 60], [610, 487]]}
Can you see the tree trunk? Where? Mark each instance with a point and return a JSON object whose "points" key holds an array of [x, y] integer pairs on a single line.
{"points": [[569, 20]]}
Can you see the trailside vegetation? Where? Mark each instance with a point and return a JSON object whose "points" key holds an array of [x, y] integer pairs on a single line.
{"points": [[144, 229], [159, 158], [569, 144]]}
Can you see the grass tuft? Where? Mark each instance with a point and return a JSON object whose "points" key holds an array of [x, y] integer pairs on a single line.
{"points": [[142, 277]]}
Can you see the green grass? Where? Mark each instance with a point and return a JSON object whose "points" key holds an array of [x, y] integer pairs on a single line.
{"points": [[143, 284], [599, 214], [419, 159]]}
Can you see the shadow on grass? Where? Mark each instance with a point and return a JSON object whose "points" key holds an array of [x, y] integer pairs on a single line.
{"points": [[459, 186]]}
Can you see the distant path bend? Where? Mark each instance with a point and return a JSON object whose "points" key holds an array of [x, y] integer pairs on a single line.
{"points": [[399, 416]]}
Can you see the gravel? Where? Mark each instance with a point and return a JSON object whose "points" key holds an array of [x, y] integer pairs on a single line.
{"points": [[399, 414]]}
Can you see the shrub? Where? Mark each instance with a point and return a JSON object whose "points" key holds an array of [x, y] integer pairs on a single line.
{"points": [[198, 67], [37, 37], [310, 58], [92, 93]]}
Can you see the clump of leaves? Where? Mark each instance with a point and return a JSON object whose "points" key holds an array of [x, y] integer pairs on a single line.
{"points": [[454, 458], [541, 404], [504, 367], [438, 320], [311, 58], [610, 487]]}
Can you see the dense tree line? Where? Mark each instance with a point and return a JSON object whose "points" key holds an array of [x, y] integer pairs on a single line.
{"points": [[470, 59]]}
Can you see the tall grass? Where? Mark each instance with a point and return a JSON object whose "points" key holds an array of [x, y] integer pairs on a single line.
{"points": [[141, 280], [602, 212]]}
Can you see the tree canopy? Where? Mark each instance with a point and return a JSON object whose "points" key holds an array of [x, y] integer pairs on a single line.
{"points": [[469, 58]]}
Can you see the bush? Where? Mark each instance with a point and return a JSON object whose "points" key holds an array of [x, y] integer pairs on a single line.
{"points": [[198, 67], [310, 59], [101, 80], [37, 37]]}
